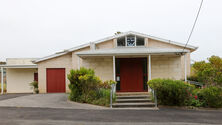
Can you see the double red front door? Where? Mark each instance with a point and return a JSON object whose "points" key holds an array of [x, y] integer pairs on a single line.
{"points": [[131, 75]]}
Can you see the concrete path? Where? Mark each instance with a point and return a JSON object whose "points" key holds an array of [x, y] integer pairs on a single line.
{"points": [[58, 100]]}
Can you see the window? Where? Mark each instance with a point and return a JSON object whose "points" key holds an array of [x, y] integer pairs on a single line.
{"points": [[121, 41], [130, 41], [139, 41]]}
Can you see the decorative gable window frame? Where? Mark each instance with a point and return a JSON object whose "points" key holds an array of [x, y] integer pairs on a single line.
{"points": [[128, 39]]}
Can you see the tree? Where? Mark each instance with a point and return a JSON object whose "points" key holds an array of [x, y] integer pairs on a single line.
{"points": [[2, 63], [210, 72]]}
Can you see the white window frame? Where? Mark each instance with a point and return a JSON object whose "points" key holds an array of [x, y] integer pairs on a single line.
{"points": [[127, 44], [135, 45]]}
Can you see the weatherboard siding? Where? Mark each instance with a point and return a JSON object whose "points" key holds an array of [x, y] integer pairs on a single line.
{"points": [[64, 61], [18, 80], [162, 66]]}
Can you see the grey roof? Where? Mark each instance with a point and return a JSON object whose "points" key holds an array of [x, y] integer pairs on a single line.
{"points": [[131, 51], [113, 37]]}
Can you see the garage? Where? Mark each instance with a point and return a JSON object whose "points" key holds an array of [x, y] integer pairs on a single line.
{"points": [[55, 80]]}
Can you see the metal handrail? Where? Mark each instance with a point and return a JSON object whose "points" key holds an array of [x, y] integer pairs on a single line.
{"points": [[111, 95], [195, 83], [155, 96]]}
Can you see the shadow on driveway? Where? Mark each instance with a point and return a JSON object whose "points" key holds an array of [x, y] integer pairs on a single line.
{"points": [[52, 100], [10, 96]]}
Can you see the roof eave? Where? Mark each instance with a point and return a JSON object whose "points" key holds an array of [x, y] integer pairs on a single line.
{"points": [[19, 66]]}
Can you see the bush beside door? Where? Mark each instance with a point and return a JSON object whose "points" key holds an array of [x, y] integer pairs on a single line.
{"points": [[55, 80]]}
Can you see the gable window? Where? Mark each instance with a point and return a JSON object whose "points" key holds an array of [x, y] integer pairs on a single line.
{"points": [[139, 41], [121, 41], [130, 41]]}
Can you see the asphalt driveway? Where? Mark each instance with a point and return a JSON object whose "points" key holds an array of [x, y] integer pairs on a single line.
{"points": [[10, 96], [55, 100]]}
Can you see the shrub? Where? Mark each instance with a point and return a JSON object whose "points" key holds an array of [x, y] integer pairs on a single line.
{"points": [[171, 92], [107, 84], [35, 86], [82, 83], [87, 88], [4, 87], [211, 97], [103, 97], [194, 100]]}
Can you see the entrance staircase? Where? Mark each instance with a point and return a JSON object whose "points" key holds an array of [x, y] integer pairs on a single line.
{"points": [[134, 100]]}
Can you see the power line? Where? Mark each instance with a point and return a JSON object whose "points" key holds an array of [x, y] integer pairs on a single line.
{"points": [[193, 25]]}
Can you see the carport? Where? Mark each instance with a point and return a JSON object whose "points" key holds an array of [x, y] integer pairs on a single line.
{"points": [[18, 77]]}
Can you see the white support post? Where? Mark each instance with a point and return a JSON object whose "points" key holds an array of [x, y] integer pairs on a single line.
{"points": [[185, 67], [149, 71], [2, 80], [114, 72], [149, 77], [125, 40]]}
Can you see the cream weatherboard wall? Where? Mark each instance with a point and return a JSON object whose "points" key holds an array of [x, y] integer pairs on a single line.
{"points": [[64, 61], [77, 61], [19, 76], [18, 80], [105, 45], [162, 66], [20, 61], [158, 44], [166, 67], [103, 66]]}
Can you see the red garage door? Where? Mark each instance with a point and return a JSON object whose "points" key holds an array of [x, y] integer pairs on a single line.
{"points": [[55, 80]]}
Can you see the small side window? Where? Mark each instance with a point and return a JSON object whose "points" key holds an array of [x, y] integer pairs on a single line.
{"points": [[121, 41], [139, 41]]}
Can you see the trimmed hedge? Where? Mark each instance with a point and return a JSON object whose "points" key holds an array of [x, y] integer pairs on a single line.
{"points": [[171, 92]]}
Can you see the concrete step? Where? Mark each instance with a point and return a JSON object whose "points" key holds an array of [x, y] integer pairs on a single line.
{"points": [[133, 100], [133, 97], [133, 105], [131, 93]]}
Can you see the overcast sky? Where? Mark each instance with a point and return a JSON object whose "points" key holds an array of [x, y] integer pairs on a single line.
{"points": [[37, 28]]}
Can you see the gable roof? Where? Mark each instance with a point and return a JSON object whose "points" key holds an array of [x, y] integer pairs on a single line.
{"points": [[110, 38]]}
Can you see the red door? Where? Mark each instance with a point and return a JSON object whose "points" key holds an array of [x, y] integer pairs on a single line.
{"points": [[36, 77], [131, 75], [55, 80]]}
